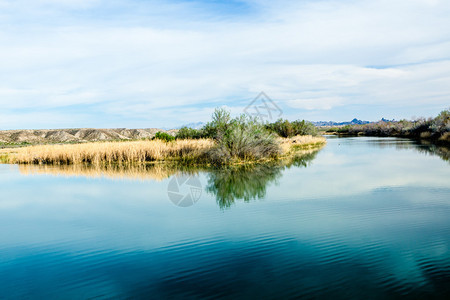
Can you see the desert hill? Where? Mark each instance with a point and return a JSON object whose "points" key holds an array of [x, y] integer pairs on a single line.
{"points": [[76, 135]]}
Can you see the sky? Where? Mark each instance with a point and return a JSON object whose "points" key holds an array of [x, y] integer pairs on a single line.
{"points": [[146, 63]]}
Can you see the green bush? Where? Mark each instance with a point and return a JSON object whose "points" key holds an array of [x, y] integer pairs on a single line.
{"points": [[244, 137], [304, 128], [239, 138], [189, 133], [247, 138], [332, 129], [163, 136], [281, 127], [219, 124], [284, 128]]}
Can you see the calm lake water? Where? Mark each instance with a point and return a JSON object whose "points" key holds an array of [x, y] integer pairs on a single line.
{"points": [[363, 218]]}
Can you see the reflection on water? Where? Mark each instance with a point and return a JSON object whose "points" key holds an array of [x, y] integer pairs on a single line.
{"points": [[424, 146], [421, 146], [148, 171], [368, 218], [246, 182], [249, 182], [228, 184]]}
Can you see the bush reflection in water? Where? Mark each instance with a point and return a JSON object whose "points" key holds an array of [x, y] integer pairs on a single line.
{"points": [[249, 182], [241, 182]]}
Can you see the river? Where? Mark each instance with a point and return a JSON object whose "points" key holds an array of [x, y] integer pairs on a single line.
{"points": [[363, 218]]}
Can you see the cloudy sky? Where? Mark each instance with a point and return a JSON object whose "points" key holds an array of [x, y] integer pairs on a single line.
{"points": [[146, 63]]}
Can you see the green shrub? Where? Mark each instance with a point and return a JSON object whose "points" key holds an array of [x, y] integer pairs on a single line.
{"points": [[164, 136], [248, 139], [219, 124], [332, 129], [304, 128], [284, 128], [239, 138], [281, 127], [189, 133], [442, 122]]}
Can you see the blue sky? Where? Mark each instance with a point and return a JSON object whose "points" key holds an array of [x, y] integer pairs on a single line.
{"points": [[136, 63]]}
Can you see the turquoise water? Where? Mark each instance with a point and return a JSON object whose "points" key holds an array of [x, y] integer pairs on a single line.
{"points": [[364, 218]]}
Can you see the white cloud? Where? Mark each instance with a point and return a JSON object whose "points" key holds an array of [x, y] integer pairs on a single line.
{"points": [[132, 59], [315, 103]]}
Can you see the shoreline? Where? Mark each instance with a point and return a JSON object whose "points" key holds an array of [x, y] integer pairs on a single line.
{"points": [[437, 141]]}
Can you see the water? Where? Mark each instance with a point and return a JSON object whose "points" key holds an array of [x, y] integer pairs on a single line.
{"points": [[364, 218]]}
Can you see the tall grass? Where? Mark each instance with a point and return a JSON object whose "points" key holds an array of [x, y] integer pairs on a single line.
{"points": [[301, 142], [201, 151], [114, 152]]}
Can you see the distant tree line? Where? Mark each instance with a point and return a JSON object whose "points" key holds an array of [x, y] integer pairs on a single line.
{"points": [[437, 128]]}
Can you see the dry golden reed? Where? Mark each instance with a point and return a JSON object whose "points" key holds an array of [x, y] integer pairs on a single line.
{"points": [[301, 142], [135, 152], [112, 152]]}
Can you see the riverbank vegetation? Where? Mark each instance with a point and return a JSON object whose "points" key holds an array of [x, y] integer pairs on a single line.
{"points": [[436, 129], [222, 141]]}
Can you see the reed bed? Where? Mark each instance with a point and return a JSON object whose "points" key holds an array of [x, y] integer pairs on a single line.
{"points": [[301, 142], [189, 151], [112, 152]]}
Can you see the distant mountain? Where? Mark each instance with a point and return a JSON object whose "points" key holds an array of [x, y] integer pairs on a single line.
{"points": [[355, 121], [332, 123], [386, 120]]}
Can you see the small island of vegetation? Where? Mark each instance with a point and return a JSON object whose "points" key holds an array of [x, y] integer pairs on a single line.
{"points": [[222, 141]]}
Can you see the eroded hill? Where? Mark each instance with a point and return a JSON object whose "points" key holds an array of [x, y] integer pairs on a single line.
{"points": [[75, 135]]}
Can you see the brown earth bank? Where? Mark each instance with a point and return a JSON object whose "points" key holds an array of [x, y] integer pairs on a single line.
{"points": [[44, 136]]}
